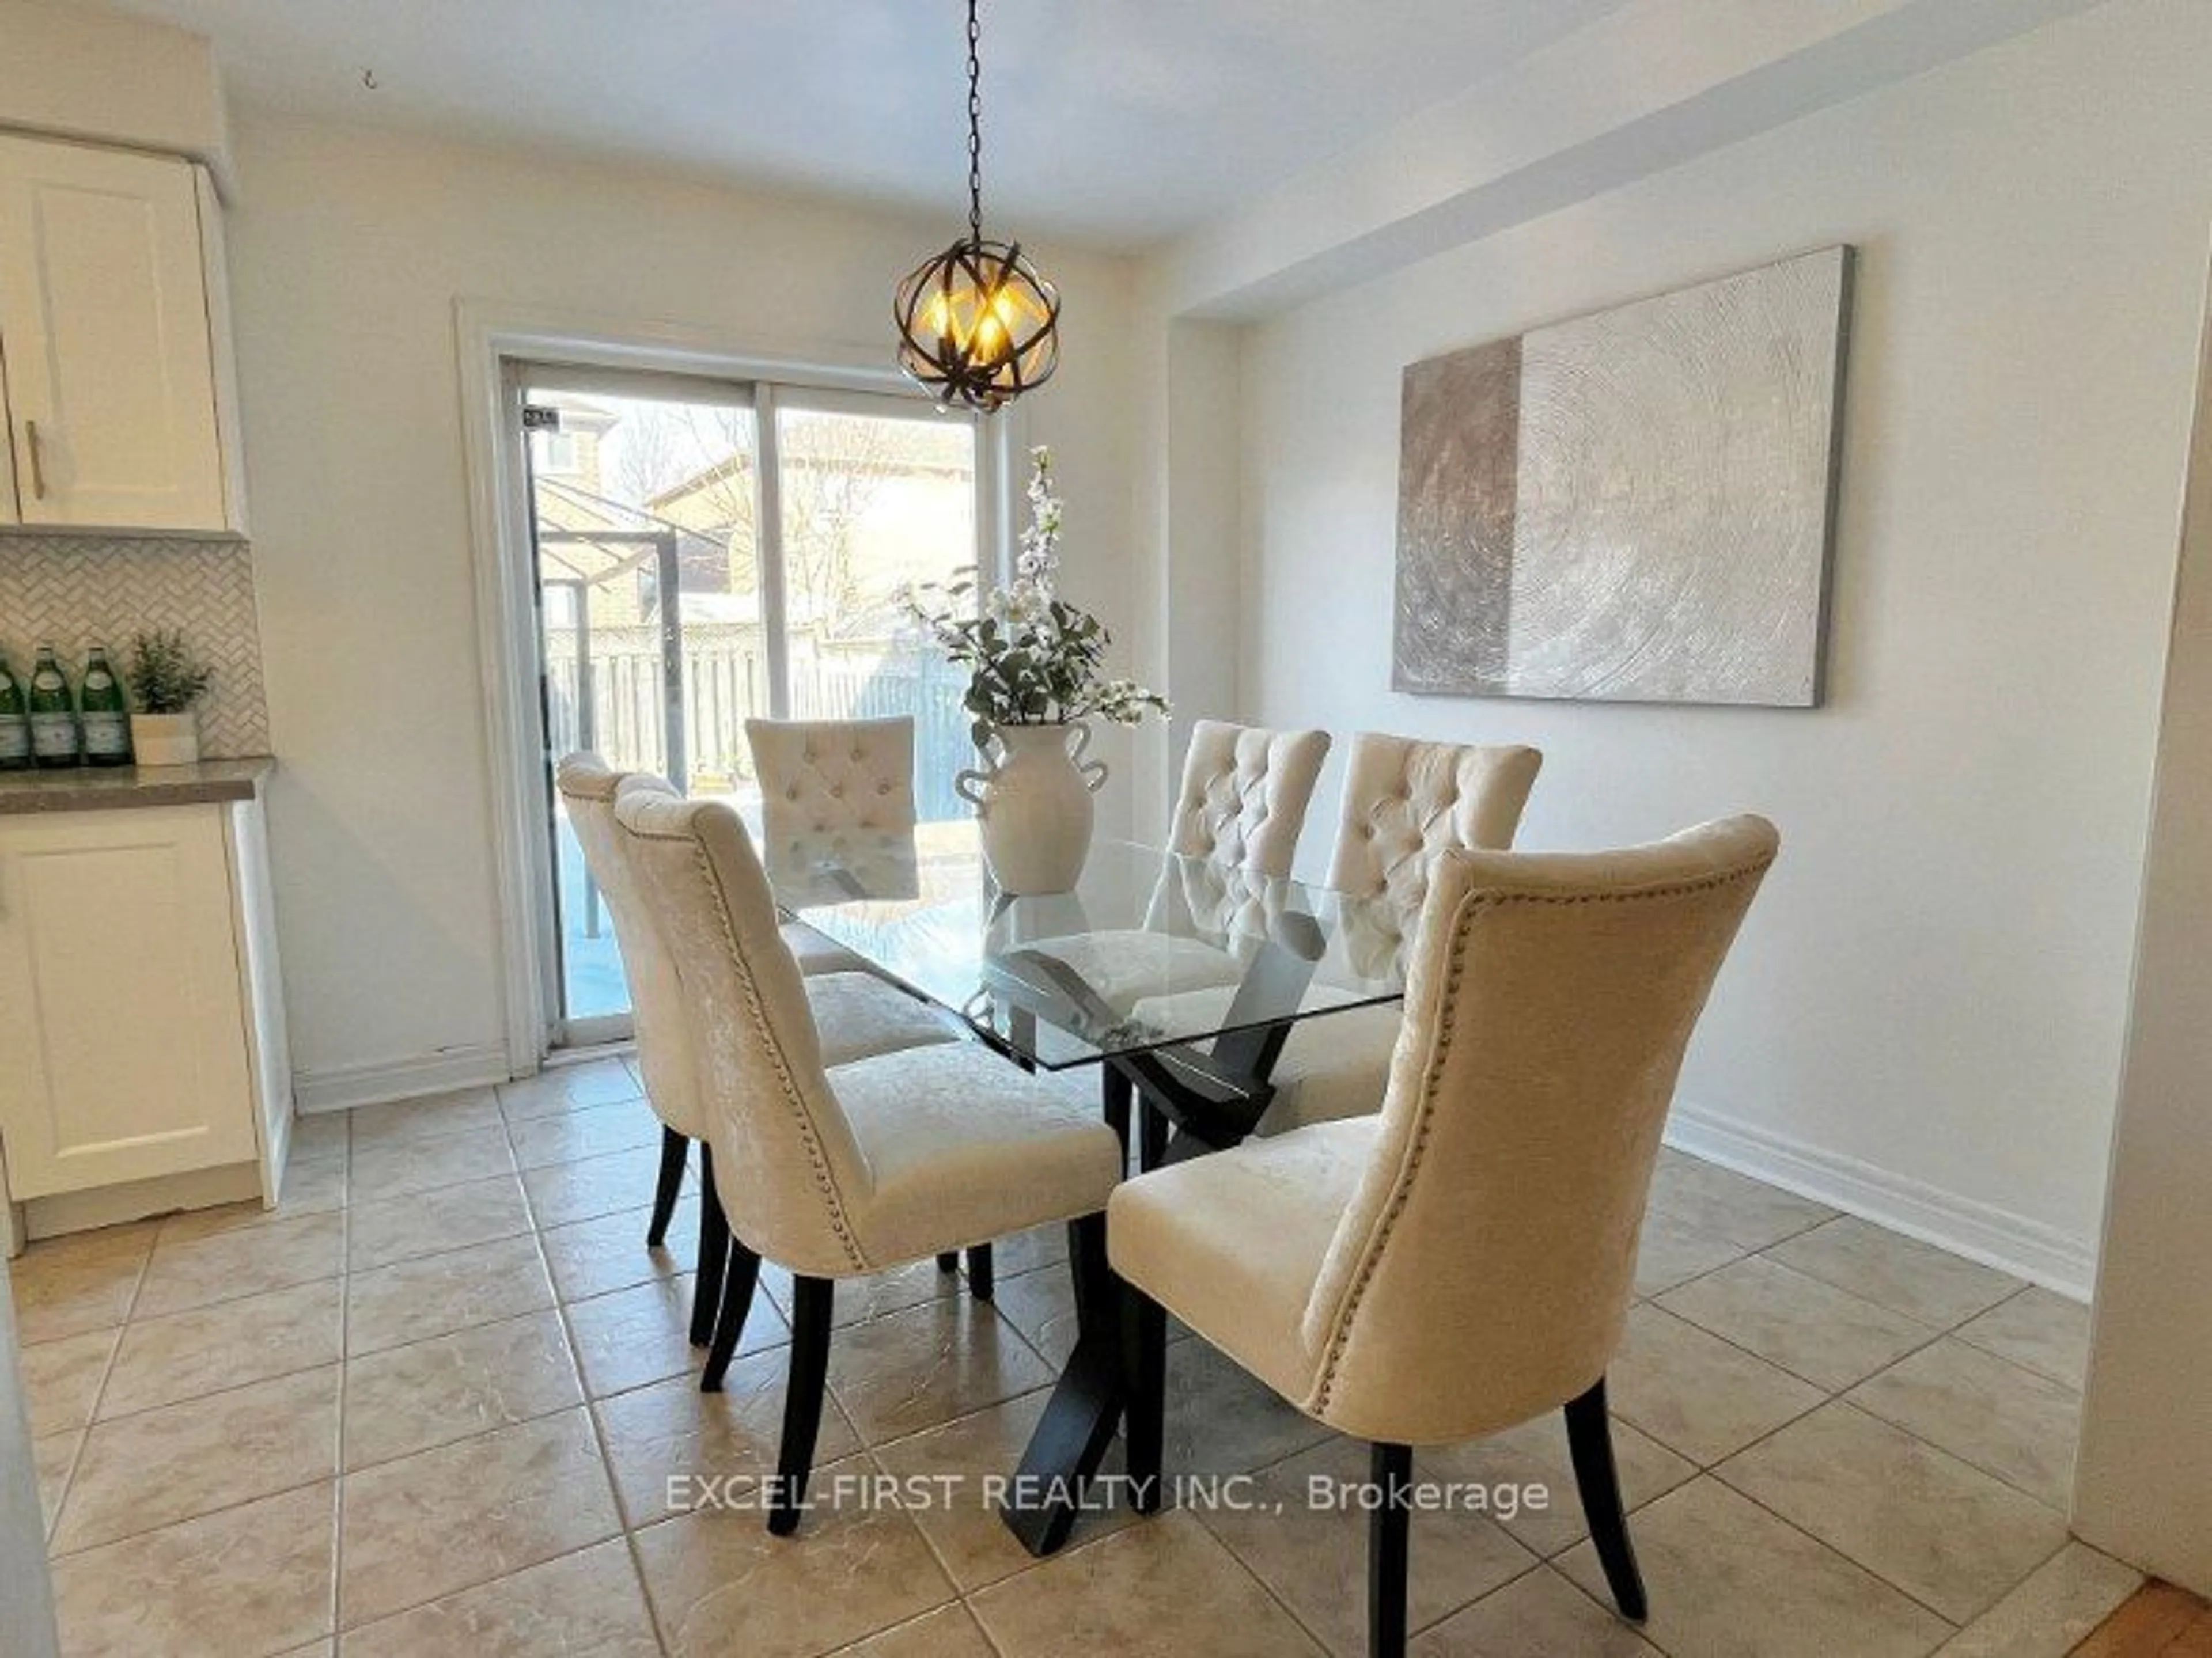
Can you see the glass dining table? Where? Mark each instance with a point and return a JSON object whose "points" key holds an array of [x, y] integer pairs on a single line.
{"points": [[1175, 980]]}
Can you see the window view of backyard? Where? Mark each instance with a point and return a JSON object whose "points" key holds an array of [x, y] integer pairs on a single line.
{"points": [[657, 626]]}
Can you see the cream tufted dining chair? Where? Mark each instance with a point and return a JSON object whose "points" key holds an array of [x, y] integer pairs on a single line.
{"points": [[1406, 802], [1244, 794], [862, 1015], [1462, 1261], [835, 1172], [1237, 816], [843, 787]]}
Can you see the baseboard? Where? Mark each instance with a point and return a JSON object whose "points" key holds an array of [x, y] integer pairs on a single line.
{"points": [[473, 1067], [2043, 1254], [112, 1206]]}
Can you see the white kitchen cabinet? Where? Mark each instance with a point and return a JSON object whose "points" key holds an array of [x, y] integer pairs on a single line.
{"points": [[114, 341], [8, 516], [138, 1021]]}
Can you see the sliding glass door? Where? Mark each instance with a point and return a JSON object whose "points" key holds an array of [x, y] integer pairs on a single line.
{"points": [[707, 552]]}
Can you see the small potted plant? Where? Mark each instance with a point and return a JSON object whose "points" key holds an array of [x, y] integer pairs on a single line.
{"points": [[166, 680]]}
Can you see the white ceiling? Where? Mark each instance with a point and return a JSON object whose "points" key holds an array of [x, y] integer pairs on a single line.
{"points": [[1120, 122]]}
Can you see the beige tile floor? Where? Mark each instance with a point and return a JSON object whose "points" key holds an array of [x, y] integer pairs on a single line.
{"points": [[434, 1404]]}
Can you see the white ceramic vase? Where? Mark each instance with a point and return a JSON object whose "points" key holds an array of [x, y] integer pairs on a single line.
{"points": [[164, 739], [1032, 800]]}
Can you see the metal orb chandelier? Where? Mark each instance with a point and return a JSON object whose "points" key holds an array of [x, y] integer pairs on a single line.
{"points": [[978, 324]]}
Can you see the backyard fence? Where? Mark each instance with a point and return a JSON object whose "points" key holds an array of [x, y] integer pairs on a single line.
{"points": [[725, 685]]}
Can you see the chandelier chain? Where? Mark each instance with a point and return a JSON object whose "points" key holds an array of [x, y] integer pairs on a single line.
{"points": [[975, 125]]}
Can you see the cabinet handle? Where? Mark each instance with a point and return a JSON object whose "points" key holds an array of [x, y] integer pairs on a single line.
{"points": [[38, 461]]}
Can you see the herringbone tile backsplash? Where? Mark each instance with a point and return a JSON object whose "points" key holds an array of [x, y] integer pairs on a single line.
{"points": [[69, 591]]}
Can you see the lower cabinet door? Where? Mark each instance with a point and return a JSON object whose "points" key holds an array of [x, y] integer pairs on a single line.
{"points": [[123, 1045]]}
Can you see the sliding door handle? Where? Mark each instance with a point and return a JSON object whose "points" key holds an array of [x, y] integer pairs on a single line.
{"points": [[38, 460]]}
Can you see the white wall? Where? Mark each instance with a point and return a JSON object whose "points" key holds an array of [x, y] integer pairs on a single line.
{"points": [[349, 250], [1925, 1013], [2144, 1489]]}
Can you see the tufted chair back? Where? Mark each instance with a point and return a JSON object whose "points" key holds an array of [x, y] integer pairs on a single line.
{"points": [[588, 787], [836, 785], [1244, 795], [1407, 801], [791, 1172], [1483, 1269]]}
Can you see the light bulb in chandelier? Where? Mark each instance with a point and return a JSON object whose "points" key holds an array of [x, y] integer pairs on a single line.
{"points": [[978, 324]]}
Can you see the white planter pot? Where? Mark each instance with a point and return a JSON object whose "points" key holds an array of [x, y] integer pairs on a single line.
{"points": [[1032, 801], [164, 739]]}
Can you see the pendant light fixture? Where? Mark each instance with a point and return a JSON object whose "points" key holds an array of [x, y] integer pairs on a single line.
{"points": [[978, 324]]}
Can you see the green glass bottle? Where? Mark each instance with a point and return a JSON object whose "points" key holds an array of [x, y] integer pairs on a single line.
{"points": [[54, 739], [104, 711], [14, 722]]}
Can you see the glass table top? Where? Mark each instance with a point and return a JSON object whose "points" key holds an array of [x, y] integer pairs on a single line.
{"points": [[1151, 951]]}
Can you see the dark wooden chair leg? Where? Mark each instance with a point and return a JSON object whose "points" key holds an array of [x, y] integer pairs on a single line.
{"points": [[1145, 1387], [1589, 1441], [714, 1251], [948, 1261], [812, 1301], [739, 1279], [1152, 1137], [674, 1149], [1389, 1526], [980, 1280]]}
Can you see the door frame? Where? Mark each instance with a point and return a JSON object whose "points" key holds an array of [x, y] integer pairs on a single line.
{"points": [[489, 336]]}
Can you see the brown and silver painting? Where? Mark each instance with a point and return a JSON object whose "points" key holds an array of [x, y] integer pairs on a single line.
{"points": [[1634, 505]]}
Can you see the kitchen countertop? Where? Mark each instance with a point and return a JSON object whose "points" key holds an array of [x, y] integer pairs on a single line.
{"points": [[95, 788]]}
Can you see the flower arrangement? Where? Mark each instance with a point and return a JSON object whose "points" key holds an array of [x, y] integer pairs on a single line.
{"points": [[165, 676], [1033, 658]]}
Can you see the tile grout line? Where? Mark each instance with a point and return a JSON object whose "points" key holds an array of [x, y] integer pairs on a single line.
{"points": [[229, 1387], [1726, 1339], [199, 1515], [583, 1404], [1537, 1560], [1268, 1590], [1715, 1472], [341, 1281], [345, 1383], [2004, 1479], [1951, 1624], [591, 1407], [2076, 1385], [219, 1509], [1940, 1333], [2021, 1286], [106, 1374]]}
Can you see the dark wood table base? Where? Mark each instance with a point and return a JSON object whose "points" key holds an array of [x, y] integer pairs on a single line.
{"points": [[1198, 1103]]}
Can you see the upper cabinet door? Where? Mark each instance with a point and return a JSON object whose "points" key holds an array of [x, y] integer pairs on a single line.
{"points": [[104, 331]]}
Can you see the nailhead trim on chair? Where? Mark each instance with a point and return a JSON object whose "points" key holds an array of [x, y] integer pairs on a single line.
{"points": [[1401, 1189], [824, 1180]]}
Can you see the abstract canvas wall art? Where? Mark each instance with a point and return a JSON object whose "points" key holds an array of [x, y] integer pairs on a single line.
{"points": [[1634, 505]]}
